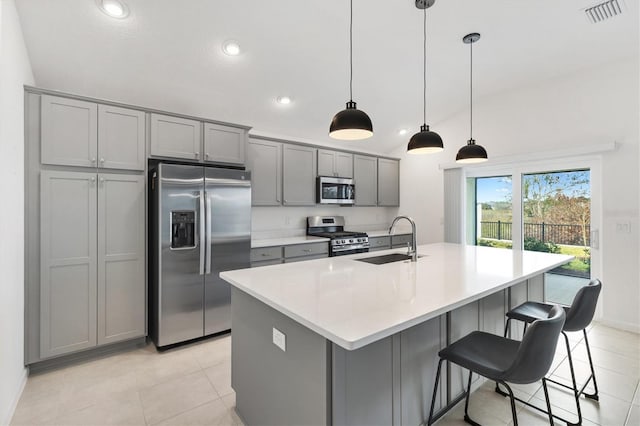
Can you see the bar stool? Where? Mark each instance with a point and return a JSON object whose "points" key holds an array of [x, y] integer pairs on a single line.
{"points": [[505, 360], [579, 316]]}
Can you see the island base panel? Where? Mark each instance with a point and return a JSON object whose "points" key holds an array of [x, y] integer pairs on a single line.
{"points": [[275, 387]]}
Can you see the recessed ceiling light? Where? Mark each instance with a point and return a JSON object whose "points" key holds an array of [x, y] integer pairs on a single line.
{"points": [[114, 8], [231, 48], [403, 132], [284, 100]]}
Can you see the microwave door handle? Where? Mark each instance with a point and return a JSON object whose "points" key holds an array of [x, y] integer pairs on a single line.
{"points": [[202, 238], [208, 233]]}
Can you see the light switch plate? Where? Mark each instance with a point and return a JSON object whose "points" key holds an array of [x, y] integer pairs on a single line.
{"points": [[279, 339]]}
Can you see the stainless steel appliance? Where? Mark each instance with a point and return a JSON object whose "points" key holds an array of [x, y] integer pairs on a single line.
{"points": [[342, 242], [335, 190], [200, 225]]}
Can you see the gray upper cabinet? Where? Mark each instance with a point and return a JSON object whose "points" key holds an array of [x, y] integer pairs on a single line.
{"points": [[365, 176], [68, 247], [299, 175], [223, 144], [335, 163], [175, 137], [69, 130], [264, 160], [121, 138], [388, 182], [121, 257], [86, 134]]}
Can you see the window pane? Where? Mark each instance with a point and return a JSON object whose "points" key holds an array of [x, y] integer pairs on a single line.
{"points": [[494, 211]]}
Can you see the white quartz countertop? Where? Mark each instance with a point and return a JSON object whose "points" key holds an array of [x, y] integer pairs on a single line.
{"points": [[353, 303], [285, 241], [385, 233]]}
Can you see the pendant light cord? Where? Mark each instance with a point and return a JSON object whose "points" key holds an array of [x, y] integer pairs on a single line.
{"points": [[351, 53], [424, 67], [471, 92]]}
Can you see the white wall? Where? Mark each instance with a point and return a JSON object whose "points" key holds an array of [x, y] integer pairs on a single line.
{"points": [[15, 70], [589, 108], [273, 222]]}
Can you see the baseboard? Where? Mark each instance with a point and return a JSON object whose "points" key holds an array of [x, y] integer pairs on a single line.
{"points": [[634, 328], [14, 404]]}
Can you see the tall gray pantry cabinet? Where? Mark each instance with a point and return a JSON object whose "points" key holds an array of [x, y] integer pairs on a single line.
{"points": [[85, 225]]}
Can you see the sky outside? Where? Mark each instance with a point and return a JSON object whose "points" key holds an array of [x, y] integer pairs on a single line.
{"points": [[499, 188]]}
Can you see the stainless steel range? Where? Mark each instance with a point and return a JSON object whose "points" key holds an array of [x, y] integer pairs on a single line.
{"points": [[342, 242]]}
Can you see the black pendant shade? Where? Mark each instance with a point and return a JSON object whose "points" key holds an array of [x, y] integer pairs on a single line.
{"points": [[471, 153], [351, 124], [425, 142]]}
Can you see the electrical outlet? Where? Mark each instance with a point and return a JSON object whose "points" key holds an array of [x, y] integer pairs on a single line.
{"points": [[623, 227], [287, 220], [279, 339]]}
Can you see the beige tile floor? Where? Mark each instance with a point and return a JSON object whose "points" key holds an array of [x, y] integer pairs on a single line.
{"points": [[191, 385]]}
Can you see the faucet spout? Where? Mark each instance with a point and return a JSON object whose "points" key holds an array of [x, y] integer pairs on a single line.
{"points": [[413, 252]]}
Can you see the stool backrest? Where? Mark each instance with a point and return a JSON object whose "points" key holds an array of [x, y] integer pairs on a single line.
{"points": [[582, 309], [537, 349]]}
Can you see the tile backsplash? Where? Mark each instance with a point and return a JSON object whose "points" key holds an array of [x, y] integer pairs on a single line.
{"points": [[282, 222]]}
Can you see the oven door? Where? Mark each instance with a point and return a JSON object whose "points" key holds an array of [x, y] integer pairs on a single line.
{"points": [[331, 190], [343, 252]]}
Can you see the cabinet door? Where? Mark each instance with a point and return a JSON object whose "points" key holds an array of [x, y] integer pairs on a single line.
{"points": [[365, 177], [265, 163], [121, 258], [68, 262], [224, 144], [69, 132], [121, 138], [344, 164], [175, 137], [299, 175], [326, 163], [388, 182]]}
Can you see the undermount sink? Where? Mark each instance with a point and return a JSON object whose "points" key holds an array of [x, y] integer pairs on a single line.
{"points": [[386, 258]]}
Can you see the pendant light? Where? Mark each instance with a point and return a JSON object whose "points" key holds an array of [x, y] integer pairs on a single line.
{"points": [[471, 153], [425, 141], [351, 123]]}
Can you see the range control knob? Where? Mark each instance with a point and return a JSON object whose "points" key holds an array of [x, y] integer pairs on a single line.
{"points": [[351, 241]]}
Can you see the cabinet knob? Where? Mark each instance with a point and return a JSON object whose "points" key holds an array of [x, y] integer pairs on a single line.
{"points": [[101, 180], [93, 179], [197, 154], [93, 160], [307, 250], [206, 155], [102, 160]]}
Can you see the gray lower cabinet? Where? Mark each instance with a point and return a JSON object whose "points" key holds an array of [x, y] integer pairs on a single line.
{"points": [[92, 248], [68, 244], [264, 160], [80, 133], [224, 144], [121, 257], [379, 243], [388, 182], [365, 176], [299, 175], [175, 137], [263, 256]]}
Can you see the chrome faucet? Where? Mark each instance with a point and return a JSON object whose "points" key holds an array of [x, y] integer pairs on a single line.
{"points": [[413, 252]]}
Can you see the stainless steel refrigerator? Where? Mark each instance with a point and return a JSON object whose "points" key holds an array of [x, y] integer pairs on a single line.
{"points": [[200, 225]]}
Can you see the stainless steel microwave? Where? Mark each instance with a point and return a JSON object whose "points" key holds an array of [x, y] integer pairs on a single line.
{"points": [[335, 190]]}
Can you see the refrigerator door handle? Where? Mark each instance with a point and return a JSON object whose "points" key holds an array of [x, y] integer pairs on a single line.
{"points": [[202, 235], [208, 233]]}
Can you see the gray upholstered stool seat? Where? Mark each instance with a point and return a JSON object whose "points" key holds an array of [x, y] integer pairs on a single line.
{"points": [[579, 316], [505, 360]]}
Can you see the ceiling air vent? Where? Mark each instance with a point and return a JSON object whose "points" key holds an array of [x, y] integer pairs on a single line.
{"points": [[603, 11]]}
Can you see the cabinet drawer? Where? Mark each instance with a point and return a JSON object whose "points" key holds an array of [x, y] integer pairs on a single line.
{"points": [[266, 253], [303, 258], [266, 263], [306, 249], [379, 243], [400, 240]]}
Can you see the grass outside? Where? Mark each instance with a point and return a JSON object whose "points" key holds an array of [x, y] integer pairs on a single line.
{"points": [[581, 263]]}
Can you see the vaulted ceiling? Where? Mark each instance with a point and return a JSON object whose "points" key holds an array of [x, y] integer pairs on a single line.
{"points": [[167, 54]]}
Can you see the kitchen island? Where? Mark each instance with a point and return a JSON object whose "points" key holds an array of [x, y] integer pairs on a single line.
{"points": [[341, 341]]}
